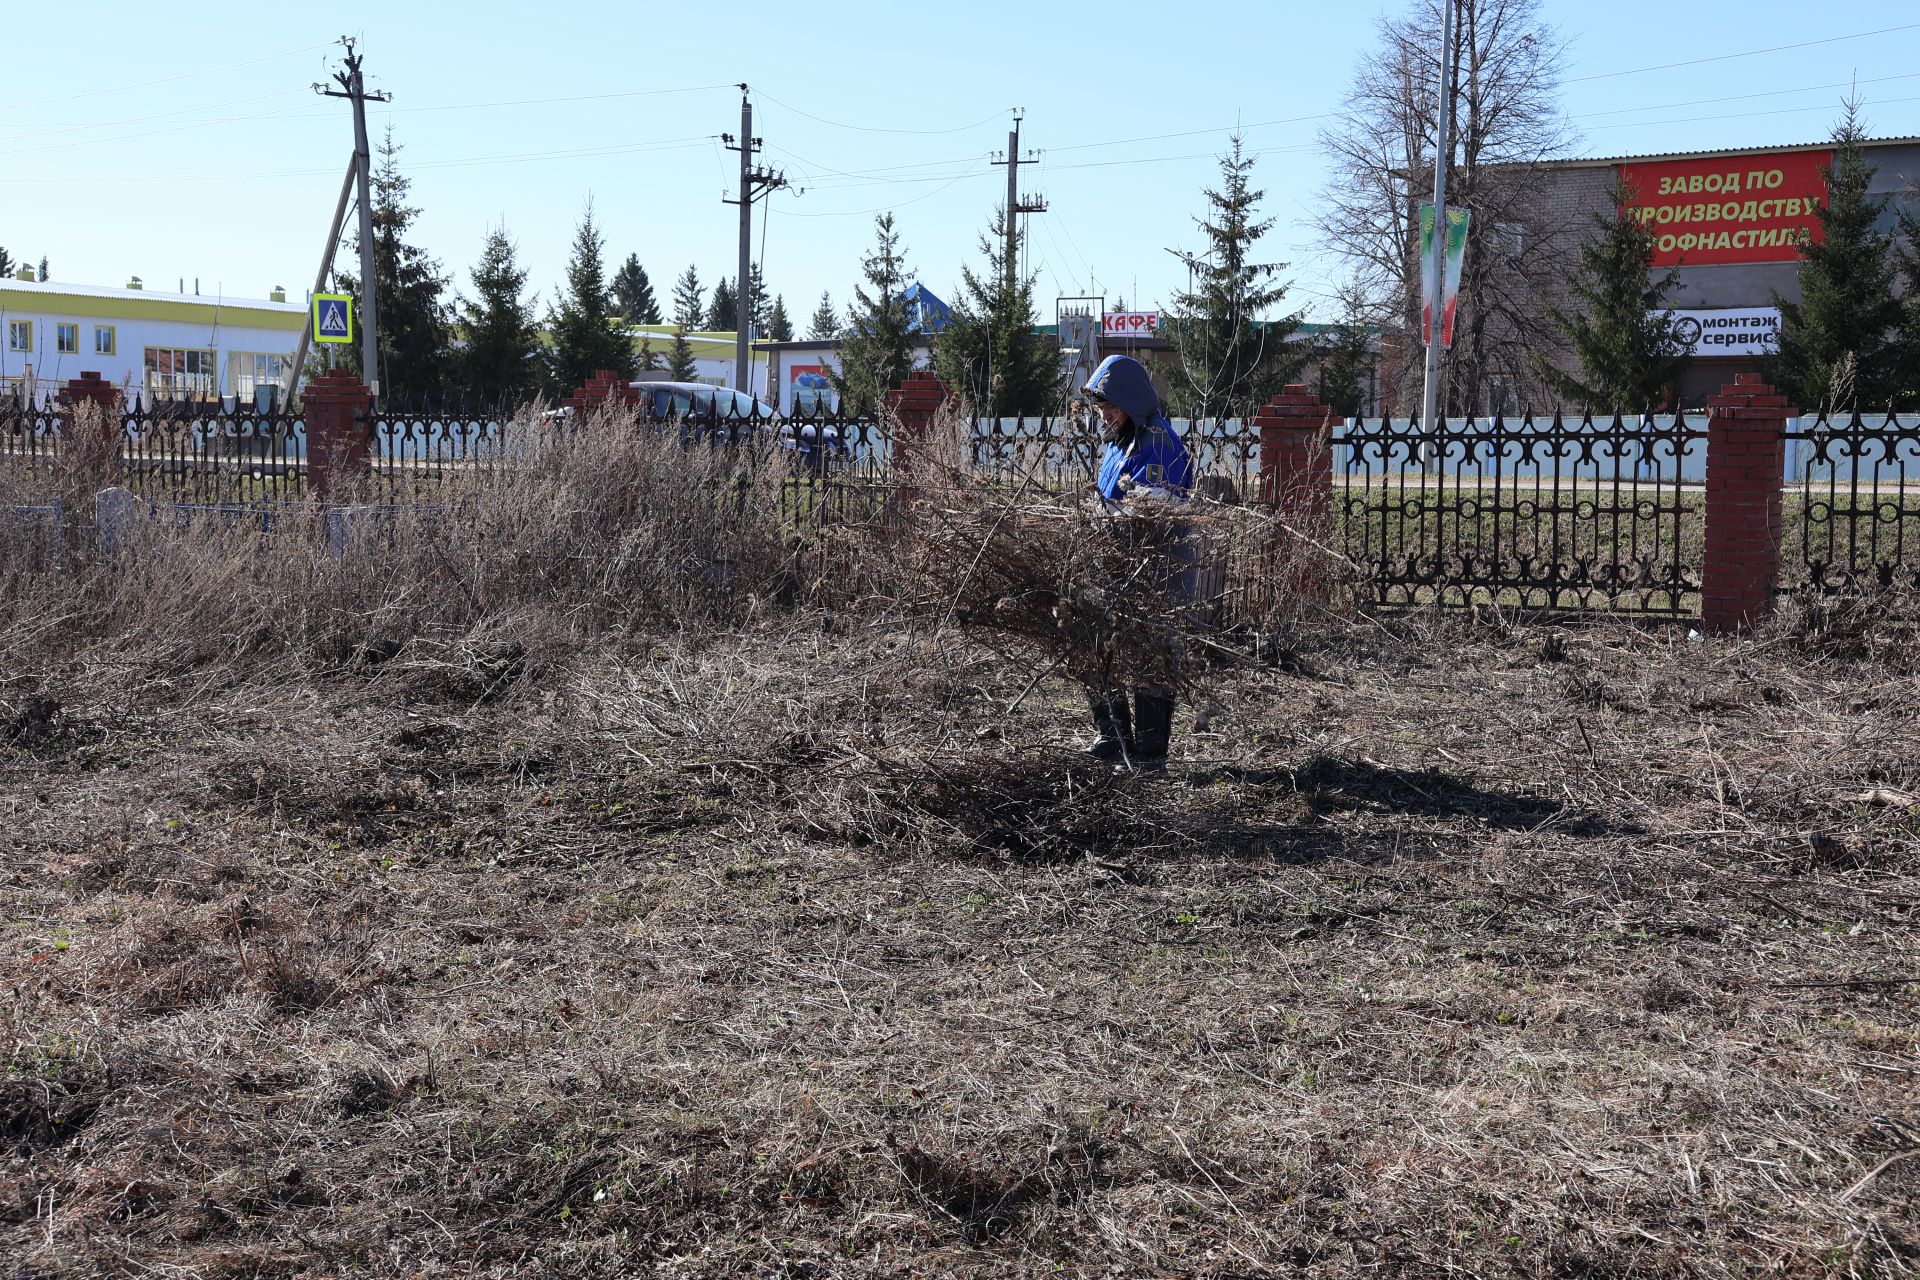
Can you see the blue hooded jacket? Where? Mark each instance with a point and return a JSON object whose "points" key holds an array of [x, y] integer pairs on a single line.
{"points": [[1154, 458]]}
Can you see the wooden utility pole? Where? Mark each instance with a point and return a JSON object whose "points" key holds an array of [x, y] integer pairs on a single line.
{"points": [[755, 181], [353, 87], [1013, 160]]}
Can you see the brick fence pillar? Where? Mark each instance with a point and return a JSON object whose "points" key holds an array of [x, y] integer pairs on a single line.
{"points": [[605, 387], [93, 449], [335, 409], [1296, 484], [912, 406], [1746, 456]]}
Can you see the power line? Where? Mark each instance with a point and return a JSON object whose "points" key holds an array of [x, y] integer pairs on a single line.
{"points": [[154, 133], [679, 144], [148, 84], [899, 204], [864, 128], [540, 102], [1750, 53], [1782, 111], [1743, 97], [158, 115]]}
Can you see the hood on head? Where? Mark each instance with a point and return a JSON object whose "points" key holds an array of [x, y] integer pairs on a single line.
{"points": [[1124, 381]]}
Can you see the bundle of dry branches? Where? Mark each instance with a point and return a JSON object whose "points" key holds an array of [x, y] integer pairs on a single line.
{"points": [[1027, 558]]}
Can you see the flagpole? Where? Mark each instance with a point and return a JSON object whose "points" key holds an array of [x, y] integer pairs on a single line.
{"points": [[1436, 265]]}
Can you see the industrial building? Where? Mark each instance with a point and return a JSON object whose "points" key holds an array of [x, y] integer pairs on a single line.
{"points": [[1729, 224]]}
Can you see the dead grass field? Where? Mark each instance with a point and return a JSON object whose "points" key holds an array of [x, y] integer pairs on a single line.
{"points": [[783, 949]]}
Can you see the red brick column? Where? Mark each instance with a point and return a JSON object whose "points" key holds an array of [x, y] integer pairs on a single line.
{"points": [[912, 405], [1746, 454], [336, 406], [604, 387], [94, 451], [1296, 483]]}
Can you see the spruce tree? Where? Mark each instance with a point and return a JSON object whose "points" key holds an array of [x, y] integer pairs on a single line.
{"points": [[991, 350], [648, 357], [1909, 363], [1839, 345], [6, 264], [877, 350], [1231, 357], [1346, 356], [688, 313], [45, 275], [689, 309], [587, 335], [721, 317], [825, 324], [633, 293], [1623, 333], [500, 361], [415, 324], [759, 304], [680, 366], [779, 324]]}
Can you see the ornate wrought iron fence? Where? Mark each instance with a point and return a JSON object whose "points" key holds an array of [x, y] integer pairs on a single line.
{"points": [[1534, 513], [1852, 513]]}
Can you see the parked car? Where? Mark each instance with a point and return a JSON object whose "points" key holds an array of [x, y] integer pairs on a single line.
{"points": [[732, 415], [734, 410]]}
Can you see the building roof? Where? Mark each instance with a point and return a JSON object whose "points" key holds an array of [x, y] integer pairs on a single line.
{"points": [[1824, 144], [712, 344], [58, 298]]}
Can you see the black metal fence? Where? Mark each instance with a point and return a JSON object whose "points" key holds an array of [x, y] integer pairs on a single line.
{"points": [[1537, 513], [1852, 510], [1542, 512]]}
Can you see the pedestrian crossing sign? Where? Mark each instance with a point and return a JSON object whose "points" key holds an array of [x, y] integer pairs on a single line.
{"points": [[333, 317]]}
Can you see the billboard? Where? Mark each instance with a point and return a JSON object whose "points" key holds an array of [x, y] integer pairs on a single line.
{"points": [[811, 389], [1710, 210]]}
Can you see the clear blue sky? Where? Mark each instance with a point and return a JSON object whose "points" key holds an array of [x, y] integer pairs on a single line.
{"points": [[167, 142]]}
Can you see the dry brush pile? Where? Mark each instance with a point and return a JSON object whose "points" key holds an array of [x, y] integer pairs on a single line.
{"points": [[767, 928]]}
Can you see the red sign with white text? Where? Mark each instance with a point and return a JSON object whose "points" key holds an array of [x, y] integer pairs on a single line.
{"points": [[1709, 210]]}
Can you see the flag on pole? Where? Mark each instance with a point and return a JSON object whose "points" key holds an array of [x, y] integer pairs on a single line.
{"points": [[1456, 248]]}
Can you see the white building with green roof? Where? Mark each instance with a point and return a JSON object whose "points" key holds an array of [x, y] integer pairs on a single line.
{"points": [[153, 345]]}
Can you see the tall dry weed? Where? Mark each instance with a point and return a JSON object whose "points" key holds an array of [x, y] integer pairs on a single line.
{"points": [[609, 525]]}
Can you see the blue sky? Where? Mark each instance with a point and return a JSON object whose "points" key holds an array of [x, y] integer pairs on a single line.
{"points": [[169, 143]]}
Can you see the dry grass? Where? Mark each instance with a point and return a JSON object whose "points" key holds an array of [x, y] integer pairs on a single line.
{"points": [[739, 938]]}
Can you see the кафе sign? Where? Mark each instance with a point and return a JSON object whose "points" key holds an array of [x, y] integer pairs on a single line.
{"points": [[1709, 210]]}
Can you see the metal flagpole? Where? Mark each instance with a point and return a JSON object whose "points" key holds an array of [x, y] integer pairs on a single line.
{"points": [[1436, 268]]}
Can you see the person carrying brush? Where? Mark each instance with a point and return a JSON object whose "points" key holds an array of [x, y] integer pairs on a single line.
{"points": [[1145, 477]]}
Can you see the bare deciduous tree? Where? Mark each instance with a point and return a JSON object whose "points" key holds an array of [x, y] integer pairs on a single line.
{"points": [[1507, 122]]}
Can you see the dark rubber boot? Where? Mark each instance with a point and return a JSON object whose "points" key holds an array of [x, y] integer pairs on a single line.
{"points": [[1152, 731], [1115, 726]]}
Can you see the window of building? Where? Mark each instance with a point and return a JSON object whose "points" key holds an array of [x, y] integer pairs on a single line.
{"points": [[20, 335], [66, 339], [103, 339], [175, 374], [247, 370]]}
